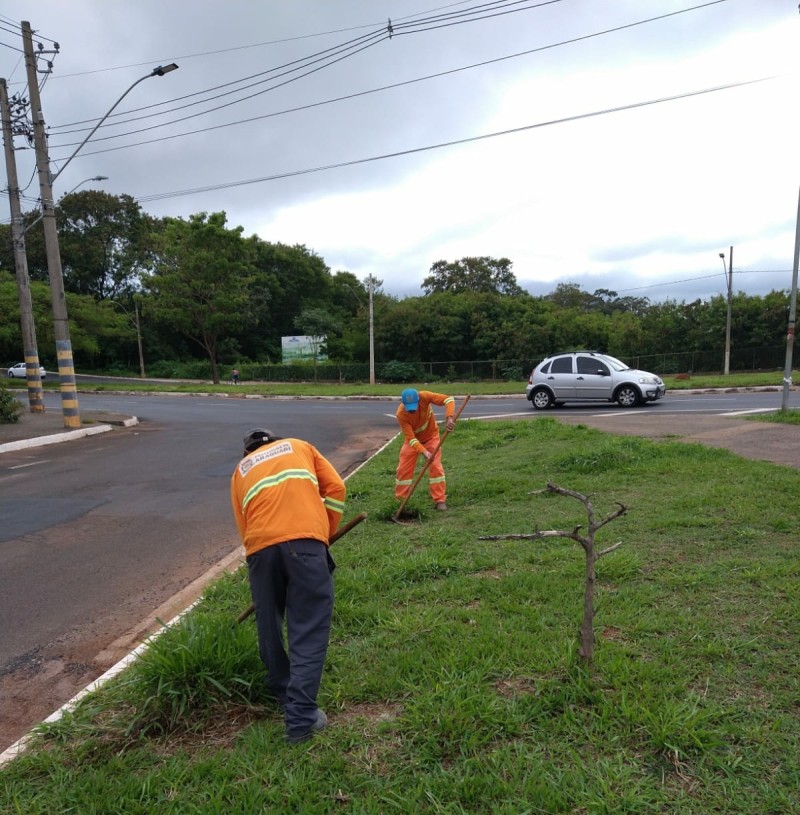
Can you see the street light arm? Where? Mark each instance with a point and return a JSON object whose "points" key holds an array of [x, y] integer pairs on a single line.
{"points": [[160, 71], [41, 215], [93, 178]]}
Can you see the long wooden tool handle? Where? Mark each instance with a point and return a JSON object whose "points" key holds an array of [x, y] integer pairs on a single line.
{"points": [[429, 462], [334, 537]]}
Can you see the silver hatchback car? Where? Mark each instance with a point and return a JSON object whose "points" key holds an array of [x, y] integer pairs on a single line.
{"points": [[590, 375]]}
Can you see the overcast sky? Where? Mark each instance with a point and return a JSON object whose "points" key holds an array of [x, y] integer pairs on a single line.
{"points": [[544, 132]]}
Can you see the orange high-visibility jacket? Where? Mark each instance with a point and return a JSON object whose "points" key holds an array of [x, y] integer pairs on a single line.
{"points": [[420, 425], [283, 491]]}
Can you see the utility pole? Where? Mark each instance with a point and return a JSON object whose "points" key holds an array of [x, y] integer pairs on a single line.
{"points": [[139, 339], [30, 351], [729, 281], [371, 336], [66, 366], [787, 371]]}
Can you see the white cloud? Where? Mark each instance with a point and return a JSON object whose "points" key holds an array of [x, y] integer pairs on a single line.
{"points": [[623, 200]]}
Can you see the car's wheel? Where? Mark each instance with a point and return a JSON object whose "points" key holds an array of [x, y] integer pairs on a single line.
{"points": [[10, 374], [542, 399], [627, 396]]}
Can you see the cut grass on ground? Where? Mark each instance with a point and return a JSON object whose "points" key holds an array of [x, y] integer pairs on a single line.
{"points": [[452, 683]]}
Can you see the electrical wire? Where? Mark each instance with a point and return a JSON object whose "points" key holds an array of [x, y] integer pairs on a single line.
{"points": [[12, 29], [11, 47], [381, 35], [385, 87], [453, 143], [442, 21], [308, 60], [228, 104], [704, 277], [252, 45]]}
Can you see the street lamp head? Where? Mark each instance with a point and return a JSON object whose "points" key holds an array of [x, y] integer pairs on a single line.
{"points": [[164, 69], [722, 255], [99, 178]]}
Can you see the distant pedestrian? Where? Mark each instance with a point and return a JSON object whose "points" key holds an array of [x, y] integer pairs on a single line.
{"points": [[418, 423], [288, 500], [235, 376]]}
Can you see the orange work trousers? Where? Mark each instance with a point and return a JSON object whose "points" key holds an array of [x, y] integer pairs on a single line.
{"points": [[407, 463]]}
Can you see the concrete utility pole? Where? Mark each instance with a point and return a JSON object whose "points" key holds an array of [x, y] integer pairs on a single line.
{"points": [[729, 281], [787, 371], [66, 366], [30, 351]]}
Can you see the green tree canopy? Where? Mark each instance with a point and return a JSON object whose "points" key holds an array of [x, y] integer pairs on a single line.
{"points": [[201, 285], [480, 274], [105, 241], [301, 280]]}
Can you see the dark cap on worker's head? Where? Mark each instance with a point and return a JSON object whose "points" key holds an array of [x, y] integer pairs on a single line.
{"points": [[410, 399], [257, 438]]}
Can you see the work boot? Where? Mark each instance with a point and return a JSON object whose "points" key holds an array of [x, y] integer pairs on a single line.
{"points": [[319, 724], [441, 506]]}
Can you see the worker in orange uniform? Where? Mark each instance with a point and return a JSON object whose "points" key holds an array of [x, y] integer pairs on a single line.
{"points": [[418, 423], [288, 500]]}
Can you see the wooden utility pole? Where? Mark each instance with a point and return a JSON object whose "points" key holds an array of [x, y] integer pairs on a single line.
{"points": [[30, 351], [66, 367]]}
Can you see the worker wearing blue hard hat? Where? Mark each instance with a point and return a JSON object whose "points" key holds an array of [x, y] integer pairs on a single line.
{"points": [[417, 421]]}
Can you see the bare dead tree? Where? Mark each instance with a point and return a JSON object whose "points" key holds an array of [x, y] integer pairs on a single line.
{"points": [[586, 648]]}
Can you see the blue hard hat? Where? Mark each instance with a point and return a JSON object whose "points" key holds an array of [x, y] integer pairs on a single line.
{"points": [[410, 399]]}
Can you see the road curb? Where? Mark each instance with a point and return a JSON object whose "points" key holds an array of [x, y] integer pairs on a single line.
{"points": [[69, 435]]}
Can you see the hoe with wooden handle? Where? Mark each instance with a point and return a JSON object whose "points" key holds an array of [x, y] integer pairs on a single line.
{"points": [[335, 537], [396, 516]]}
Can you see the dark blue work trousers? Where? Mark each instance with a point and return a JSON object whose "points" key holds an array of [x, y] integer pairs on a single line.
{"points": [[293, 581]]}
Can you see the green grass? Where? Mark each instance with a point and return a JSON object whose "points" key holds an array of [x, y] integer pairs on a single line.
{"points": [[790, 416], [452, 682], [327, 389]]}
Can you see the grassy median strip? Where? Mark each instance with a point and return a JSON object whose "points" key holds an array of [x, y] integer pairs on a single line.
{"points": [[453, 683], [743, 381]]}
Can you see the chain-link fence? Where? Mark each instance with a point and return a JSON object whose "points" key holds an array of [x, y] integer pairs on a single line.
{"points": [[695, 362], [699, 362]]}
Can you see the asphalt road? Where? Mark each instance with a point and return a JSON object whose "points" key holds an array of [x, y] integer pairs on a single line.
{"points": [[103, 535], [100, 533]]}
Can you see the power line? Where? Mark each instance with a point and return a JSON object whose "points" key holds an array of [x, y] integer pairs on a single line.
{"points": [[378, 36], [440, 145], [12, 47], [253, 45], [308, 60], [442, 21], [219, 107], [373, 90], [705, 277]]}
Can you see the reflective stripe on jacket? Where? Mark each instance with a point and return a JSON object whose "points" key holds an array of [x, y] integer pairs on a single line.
{"points": [[420, 425], [283, 491]]}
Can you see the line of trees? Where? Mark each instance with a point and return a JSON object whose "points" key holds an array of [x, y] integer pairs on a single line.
{"points": [[203, 291]]}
